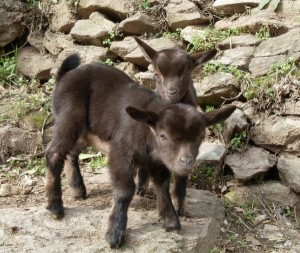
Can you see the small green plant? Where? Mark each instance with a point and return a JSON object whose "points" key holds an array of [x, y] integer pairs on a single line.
{"points": [[219, 127], [34, 3], [210, 68], [238, 141], [263, 33], [286, 68], [8, 68], [109, 62], [35, 167], [173, 35], [210, 38], [107, 42], [145, 5], [98, 162]]}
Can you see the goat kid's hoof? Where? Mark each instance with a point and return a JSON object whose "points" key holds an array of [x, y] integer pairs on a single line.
{"points": [[79, 195], [56, 212], [115, 239], [172, 225]]}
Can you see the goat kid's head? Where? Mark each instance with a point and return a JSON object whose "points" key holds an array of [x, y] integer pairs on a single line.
{"points": [[172, 68], [178, 131]]}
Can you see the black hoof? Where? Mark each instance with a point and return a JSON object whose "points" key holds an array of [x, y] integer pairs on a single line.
{"points": [[56, 212], [115, 239], [172, 225]]}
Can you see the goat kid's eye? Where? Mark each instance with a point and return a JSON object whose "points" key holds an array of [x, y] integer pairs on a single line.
{"points": [[162, 136]]}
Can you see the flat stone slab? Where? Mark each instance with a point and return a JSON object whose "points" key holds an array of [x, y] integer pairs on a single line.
{"points": [[233, 6], [83, 229], [251, 163], [289, 171], [244, 40]]}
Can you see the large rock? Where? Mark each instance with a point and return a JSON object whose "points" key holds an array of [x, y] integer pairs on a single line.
{"points": [[115, 9], [258, 18], [124, 47], [57, 42], [189, 33], [233, 6], [88, 54], [146, 79], [35, 39], [92, 31], [137, 57], [213, 89], [139, 24], [290, 8], [211, 153], [14, 141], [244, 40], [291, 107], [182, 13], [129, 68], [289, 171], [239, 57], [260, 66], [34, 65], [251, 163], [10, 26], [236, 123], [62, 18], [286, 43], [83, 229], [278, 134], [270, 192]]}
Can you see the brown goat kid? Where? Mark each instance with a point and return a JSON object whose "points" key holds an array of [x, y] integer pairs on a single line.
{"points": [[141, 128], [173, 69]]}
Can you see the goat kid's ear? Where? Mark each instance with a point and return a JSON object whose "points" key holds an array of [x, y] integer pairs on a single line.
{"points": [[202, 57], [218, 115], [148, 51], [147, 117]]}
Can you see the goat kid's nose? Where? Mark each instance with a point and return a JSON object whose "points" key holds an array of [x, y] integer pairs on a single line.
{"points": [[186, 160], [171, 92]]}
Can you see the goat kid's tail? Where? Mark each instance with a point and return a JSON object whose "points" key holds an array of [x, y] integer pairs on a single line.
{"points": [[71, 62]]}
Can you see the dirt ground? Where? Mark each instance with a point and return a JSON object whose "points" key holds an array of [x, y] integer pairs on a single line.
{"points": [[242, 231]]}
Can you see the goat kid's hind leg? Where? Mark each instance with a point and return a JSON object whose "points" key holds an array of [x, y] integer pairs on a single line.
{"points": [[179, 194], [55, 162], [74, 176], [161, 179]]}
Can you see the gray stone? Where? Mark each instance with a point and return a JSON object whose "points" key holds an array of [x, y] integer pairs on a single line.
{"points": [[88, 54], [115, 9], [272, 233], [251, 163], [211, 153], [92, 31], [146, 79], [189, 33], [10, 26], [288, 42], [35, 39], [291, 8], [256, 20], [34, 65], [62, 18], [213, 89], [236, 123], [137, 57], [244, 40], [289, 170], [14, 141], [139, 24], [8, 190], [57, 42], [129, 68], [278, 134], [15, 6], [291, 107], [260, 66], [233, 6], [270, 192], [124, 47], [182, 13], [239, 57], [83, 230]]}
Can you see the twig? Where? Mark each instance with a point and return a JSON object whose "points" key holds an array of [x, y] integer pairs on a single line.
{"points": [[270, 215], [242, 221]]}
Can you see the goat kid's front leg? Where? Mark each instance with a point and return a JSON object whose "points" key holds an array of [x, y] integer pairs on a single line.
{"points": [[179, 194], [122, 195], [165, 206]]}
